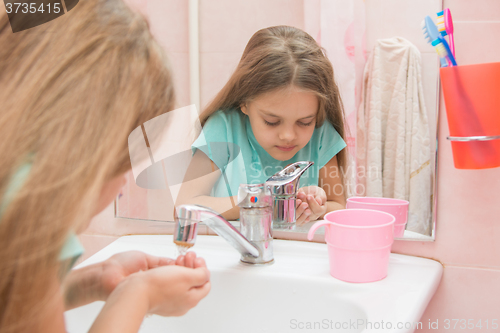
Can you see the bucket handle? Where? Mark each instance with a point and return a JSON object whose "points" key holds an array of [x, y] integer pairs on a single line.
{"points": [[315, 227]]}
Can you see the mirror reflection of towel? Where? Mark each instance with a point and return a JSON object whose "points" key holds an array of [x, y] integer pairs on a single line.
{"points": [[393, 139]]}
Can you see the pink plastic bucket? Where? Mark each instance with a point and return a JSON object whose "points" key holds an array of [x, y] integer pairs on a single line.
{"points": [[359, 243], [396, 207]]}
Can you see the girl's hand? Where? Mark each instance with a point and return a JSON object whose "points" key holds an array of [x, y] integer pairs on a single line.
{"points": [[121, 265], [311, 204], [173, 290], [96, 282], [170, 290]]}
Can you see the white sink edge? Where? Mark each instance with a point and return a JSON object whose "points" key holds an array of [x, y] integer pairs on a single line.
{"points": [[423, 277]]}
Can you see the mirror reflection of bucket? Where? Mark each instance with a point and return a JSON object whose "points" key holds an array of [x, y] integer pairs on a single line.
{"points": [[472, 98], [359, 243], [396, 207]]}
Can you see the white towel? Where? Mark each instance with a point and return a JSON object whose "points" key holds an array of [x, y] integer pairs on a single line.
{"points": [[393, 139]]}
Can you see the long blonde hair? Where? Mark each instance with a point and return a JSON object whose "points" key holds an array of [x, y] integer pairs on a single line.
{"points": [[71, 91], [278, 57]]}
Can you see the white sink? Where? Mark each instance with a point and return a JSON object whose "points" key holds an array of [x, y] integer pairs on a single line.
{"points": [[295, 293]]}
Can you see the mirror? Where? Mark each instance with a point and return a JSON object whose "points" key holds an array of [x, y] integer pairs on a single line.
{"points": [[347, 30]]}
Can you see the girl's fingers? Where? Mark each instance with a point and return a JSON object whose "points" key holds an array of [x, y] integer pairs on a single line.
{"points": [[154, 261], [180, 261], [166, 261], [198, 277], [298, 202], [199, 262], [304, 214], [300, 209], [300, 220], [313, 204], [301, 195], [189, 259], [304, 218], [200, 292]]}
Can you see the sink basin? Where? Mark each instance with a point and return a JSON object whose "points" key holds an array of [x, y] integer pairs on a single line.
{"points": [[295, 293]]}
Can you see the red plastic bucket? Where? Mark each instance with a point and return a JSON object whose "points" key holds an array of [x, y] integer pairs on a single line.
{"points": [[472, 98]]}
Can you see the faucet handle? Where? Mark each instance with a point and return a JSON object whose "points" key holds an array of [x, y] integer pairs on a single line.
{"points": [[286, 181], [254, 196], [297, 168]]}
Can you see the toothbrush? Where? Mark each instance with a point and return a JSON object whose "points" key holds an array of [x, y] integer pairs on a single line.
{"points": [[445, 26], [440, 23], [433, 37], [441, 51], [449, 55]]}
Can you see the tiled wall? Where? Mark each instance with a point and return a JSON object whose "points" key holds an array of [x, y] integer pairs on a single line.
{"points": [[225, 28], [468, 228]]}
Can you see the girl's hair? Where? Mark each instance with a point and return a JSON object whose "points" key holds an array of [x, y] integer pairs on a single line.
{"points": [[71, 91], [276, 58]]}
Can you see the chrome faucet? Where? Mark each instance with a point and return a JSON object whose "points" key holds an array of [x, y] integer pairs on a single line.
{"points": [[186, 224], [261, 207], [284, 185]]}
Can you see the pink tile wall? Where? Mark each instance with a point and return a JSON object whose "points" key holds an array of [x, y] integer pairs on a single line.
{"points": [[312, 25], [468, 222], [225, 28], [169, 24]]}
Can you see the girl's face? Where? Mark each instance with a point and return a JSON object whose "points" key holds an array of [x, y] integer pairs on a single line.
{"points": [[283, 121]]}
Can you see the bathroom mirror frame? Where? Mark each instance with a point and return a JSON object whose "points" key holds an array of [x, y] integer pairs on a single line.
{"points": [[434, 5]]}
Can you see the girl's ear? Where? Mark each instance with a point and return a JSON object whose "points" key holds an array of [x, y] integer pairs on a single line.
{"points": [[244, 109]]}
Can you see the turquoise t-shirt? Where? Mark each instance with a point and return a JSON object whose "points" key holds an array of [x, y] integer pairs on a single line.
{"points": [[72, 248], [228, 140]]}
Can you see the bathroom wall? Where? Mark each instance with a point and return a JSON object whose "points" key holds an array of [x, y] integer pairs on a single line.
{"points": [[468, 223], [468, 213]]}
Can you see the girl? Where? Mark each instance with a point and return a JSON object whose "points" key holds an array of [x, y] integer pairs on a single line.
{"points": [[71, 91], [280, 106]]}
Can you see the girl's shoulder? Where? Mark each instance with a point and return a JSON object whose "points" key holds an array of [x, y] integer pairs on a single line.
{"points": [[326, 132], [225, 126]]}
